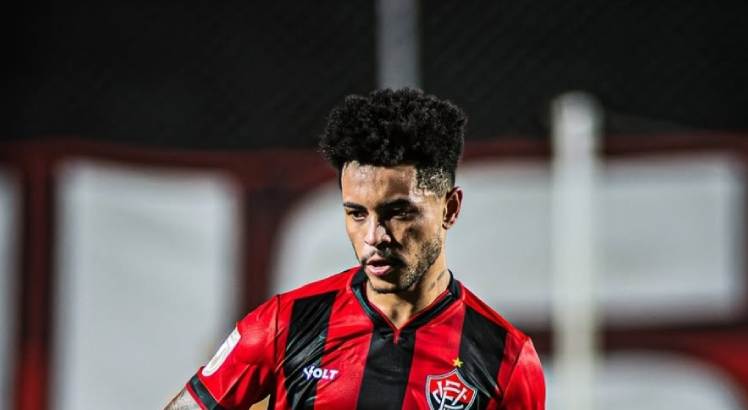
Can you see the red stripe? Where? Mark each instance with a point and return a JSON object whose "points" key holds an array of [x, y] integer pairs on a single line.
{"points": [[35, 330], [283, 320], [346, 348], [437, 346], [512, 348]]}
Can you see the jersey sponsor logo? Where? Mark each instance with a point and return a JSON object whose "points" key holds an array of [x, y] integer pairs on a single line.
{"points": [[318, 373], [449, 391], [222, 353]]}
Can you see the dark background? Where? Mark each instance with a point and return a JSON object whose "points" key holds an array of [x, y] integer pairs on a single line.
{"points": [[246, 75]]}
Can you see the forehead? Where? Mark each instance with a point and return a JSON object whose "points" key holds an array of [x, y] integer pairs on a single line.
{"points": [[369, 183]]}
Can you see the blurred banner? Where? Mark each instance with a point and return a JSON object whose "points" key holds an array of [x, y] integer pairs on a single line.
{"points": [[666, 222], [145, 257], [647, 380], [152, 256]]}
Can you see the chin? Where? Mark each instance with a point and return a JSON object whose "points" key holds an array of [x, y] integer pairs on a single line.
{"points": [[379, 285], [385, 291], [383, 286]]}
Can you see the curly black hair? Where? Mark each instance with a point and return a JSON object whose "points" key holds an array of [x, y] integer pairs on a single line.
{"points": [[398, 127]]}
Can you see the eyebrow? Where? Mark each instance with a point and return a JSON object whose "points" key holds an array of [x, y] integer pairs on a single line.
{"points": [[353, 205], [395, 203]]}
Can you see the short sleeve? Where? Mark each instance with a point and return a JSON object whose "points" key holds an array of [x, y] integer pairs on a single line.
{"points": [[526, 387], [241, 371]]}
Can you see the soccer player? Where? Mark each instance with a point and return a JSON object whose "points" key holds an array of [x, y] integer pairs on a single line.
{"points": [[399, 331]]}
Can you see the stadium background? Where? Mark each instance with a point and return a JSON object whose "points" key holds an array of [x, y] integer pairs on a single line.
{"points": [[157, 156]]}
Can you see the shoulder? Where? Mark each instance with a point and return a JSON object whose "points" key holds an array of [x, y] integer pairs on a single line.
{"points": [[335, 283], [259, 328], [329, 286], [512, 335], [519, 374]]}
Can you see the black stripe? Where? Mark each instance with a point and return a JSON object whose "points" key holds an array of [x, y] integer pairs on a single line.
{"points": [[358, 283], [481, 351], [387, 370], [387, 363], [305, 347], [203, 394]]}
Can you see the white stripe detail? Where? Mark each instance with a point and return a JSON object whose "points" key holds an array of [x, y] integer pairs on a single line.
{"points": [[222, 353]]}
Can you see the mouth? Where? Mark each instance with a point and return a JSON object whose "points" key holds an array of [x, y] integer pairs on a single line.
{"points": [[379, 267]]}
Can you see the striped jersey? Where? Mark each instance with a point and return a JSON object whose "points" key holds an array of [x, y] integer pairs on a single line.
{"points": [[325, 346]]}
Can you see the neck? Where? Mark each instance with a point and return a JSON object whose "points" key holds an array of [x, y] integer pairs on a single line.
{"points": [[401, 306]]}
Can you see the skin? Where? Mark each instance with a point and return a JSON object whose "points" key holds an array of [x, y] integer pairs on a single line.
{"points": [[397, 230], [182, 401], [390, 218]]}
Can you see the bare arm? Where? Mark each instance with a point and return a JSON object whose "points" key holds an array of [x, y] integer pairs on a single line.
{"points": [[183, 401]]}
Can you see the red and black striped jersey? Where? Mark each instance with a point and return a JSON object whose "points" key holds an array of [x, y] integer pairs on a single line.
{"points": [[325, 346]]}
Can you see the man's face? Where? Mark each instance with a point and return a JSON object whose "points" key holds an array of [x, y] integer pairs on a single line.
{"points": [[396, 228]]}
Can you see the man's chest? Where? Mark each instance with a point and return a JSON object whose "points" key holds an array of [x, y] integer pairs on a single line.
{"points": [[357, 364]]}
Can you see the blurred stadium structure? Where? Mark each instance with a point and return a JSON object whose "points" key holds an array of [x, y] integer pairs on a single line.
{"points": [[160, 180]]}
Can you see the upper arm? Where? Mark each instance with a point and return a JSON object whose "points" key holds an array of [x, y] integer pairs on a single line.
{"points": [[526, 386], [242, 372], [182, 401]]}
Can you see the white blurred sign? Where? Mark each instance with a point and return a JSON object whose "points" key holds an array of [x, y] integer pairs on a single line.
{"points": [[644, 380], [146, 285], [671, 231]]}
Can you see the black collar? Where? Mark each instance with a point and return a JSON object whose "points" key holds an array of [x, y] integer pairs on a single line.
{"points": [[359, 281]]}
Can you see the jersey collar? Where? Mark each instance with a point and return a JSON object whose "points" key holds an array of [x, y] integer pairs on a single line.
{"points": [[451, 295]]}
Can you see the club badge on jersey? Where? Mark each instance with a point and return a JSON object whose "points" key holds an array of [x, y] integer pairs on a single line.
{"points": [[449, 391]]}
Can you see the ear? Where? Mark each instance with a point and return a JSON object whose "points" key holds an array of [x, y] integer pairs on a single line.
{"points": [[452, 207]]}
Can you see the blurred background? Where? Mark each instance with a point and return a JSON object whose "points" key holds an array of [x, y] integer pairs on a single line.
{"points": [[158, 179]]}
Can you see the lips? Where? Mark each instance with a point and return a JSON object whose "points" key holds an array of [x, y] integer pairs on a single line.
{"points": [[378, 270], [379, 266]]}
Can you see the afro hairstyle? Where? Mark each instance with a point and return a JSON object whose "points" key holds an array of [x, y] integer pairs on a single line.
{"points": [[397, 127]]}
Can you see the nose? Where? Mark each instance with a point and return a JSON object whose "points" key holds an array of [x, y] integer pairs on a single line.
{"points": [[376, 234]]}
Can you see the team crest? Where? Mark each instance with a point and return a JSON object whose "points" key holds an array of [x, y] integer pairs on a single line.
{"points": [[449, 391]]}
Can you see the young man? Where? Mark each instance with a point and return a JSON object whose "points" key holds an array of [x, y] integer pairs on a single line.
{"points": [[398, 331]]}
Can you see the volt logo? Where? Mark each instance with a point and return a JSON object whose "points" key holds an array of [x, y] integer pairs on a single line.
{"points": [[315, 372]]}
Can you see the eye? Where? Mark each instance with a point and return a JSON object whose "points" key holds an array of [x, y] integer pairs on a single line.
{"points": [[356, 215], [402, 213]]}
